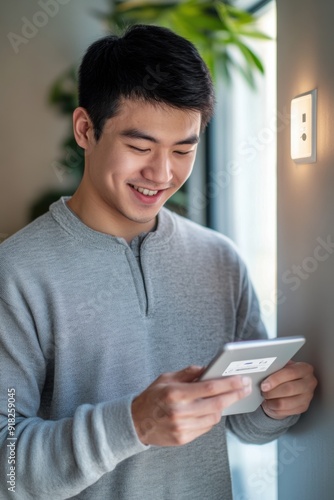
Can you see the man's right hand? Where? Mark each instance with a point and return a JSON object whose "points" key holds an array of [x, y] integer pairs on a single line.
{"points": [[173, 410]]}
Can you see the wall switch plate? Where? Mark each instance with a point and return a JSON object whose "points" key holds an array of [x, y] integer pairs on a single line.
{"points": [[304, 127]]}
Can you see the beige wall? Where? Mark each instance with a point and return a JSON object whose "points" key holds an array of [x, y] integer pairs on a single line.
{"points": [[30, 130], [305, 221]]}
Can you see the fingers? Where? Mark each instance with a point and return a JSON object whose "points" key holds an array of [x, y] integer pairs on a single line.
{"points": [[215, 387], [286, 407], [291, 371], [188, 374], [291, 388], [178, 424], [185, 392], [215, 405], [289, 391], [172, 406], [184, 431], [174, 410]]}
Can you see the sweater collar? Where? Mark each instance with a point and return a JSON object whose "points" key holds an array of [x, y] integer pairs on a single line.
{"points": [[69, 221]]}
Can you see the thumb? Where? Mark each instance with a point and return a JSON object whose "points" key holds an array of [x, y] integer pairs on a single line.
{"points": [[188, 374]]}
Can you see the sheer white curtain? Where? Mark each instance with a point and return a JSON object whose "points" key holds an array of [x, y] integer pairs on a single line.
{"points": [[252, 221]]}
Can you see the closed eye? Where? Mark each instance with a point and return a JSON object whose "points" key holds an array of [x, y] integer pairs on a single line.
{"points": [[184, 152], [138, 149]]}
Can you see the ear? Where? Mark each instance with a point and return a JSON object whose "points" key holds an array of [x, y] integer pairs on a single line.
{"points": [[83, 129]]}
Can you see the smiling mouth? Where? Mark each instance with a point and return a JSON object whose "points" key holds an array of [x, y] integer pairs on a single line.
{"points": [[146, 192]]}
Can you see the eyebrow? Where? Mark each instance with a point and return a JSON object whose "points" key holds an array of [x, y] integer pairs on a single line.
{"points": [[134, 133]]}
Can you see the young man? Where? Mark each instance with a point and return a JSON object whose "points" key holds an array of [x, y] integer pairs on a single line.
{"points": [[111, 304]]}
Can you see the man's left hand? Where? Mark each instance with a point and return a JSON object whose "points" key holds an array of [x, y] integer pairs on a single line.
{"points": [[289, 391]]}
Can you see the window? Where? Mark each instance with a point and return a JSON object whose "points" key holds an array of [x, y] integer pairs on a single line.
{"points": [[243, 206]]}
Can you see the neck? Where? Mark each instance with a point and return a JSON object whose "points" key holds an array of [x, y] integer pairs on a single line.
{"points": [[99, 217]]}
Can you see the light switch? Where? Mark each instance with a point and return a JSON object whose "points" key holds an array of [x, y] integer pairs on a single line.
{"points": [[304, 127]]}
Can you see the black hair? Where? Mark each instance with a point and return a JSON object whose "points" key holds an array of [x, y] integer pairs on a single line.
{"points": [[147, 63]]}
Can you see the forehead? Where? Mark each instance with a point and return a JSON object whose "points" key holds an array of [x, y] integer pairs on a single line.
{"points": [[157, 118]]}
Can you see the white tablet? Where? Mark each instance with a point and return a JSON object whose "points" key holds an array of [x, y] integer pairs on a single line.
{"points": [[255, 358]]}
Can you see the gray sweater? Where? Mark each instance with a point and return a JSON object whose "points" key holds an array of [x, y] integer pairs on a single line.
{"points": [[88, 322]]}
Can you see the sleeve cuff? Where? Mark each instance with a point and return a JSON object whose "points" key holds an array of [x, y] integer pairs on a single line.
{"points": [[257, 427], [269, 424], [121, 434]]}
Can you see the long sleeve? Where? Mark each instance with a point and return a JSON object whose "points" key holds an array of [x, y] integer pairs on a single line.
{"points": [[84, 328], [257, 428], [52, 459]]}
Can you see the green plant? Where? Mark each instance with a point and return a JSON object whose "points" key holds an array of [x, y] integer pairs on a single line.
{"points": [[217, 28], [214, 26]]}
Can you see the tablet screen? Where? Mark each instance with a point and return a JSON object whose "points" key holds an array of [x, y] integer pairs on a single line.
{"points": [[255, 358]]}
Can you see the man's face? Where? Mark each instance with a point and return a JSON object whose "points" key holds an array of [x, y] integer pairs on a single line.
{"points": [[143, 157]]}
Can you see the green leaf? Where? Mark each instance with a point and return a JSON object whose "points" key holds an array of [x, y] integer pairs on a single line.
{"points": [[255, 34], [239, 15], [206, 23], [250, 56], [245, 71]]}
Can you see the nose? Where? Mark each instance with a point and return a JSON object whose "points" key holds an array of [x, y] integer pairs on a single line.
{"points": [[159, 170]]}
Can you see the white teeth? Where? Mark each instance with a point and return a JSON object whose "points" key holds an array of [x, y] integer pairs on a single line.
{"points": [[146, 192]]}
